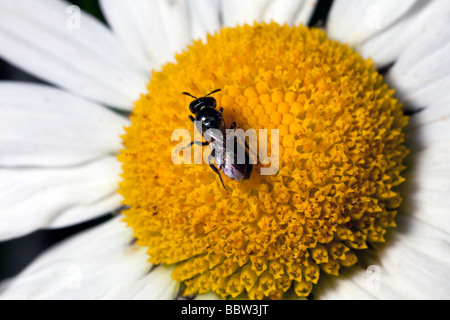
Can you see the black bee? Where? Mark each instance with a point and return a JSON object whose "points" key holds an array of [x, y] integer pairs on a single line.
{"points": [[207, 118]]}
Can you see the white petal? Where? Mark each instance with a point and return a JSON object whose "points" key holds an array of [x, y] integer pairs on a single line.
{"points": [[140, 27], [154, 31], [438, 112], [355, 21], [422, 96], [432, 134], [205, 18], [292, 12], [42, 198], [408, 267], [432, 158], [305, 15], [416, 264], [96, 264], [132, 23], [156, 285], [240, 12], [53, 41], [176, 22], [43, 126], [427, 213], [386, 46], [421, 74], [427, 187], [343, 287], [426, 184]]}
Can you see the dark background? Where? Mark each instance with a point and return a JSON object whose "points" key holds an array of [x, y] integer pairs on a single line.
{"points": [[16, 254]]}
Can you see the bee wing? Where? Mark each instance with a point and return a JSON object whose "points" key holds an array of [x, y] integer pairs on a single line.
{"points": [[242, 143]]}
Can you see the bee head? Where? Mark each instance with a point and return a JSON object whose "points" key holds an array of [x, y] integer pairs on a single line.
{"points": [[199, 103]]}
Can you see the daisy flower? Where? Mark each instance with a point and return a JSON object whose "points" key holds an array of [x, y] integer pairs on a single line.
{"points": [[326, 226]]}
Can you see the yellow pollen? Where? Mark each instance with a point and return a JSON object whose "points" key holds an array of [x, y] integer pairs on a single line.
{"points": [[341, 152]]}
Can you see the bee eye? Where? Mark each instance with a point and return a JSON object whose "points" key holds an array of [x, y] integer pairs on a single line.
{"points": [[194, 106], [210, 101]]}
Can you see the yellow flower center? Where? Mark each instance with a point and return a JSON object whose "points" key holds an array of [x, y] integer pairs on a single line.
{"points": [[341, 149]]}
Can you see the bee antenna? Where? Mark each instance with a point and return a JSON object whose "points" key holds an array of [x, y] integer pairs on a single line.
{"points": [[217, 90], [190, 95]]}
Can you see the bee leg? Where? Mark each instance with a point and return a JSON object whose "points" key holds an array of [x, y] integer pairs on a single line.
{"points": [[250, 150], [213, 167], [192, 118], [233, 125], [221, 110], [199, 143]]}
